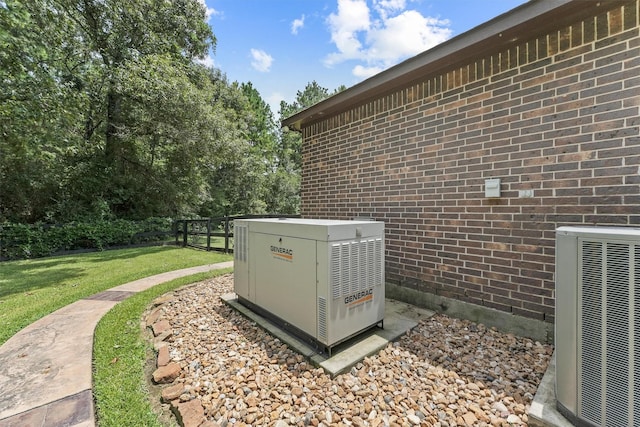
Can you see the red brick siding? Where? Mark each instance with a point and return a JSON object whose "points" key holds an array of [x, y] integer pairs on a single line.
{"points": [[558, 115]]}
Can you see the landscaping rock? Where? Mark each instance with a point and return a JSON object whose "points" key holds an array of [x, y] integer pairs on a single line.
{"points": [[157, 341], [172, 392], [160, 327], [444, 372], [470, 419], [514, 419], [163, 356], [189, 414], [154, 315], [166, 374], [162, 300]]}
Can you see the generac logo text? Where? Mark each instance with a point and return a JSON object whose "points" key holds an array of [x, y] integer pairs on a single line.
{"points": [[359, 297], [283, 253]]}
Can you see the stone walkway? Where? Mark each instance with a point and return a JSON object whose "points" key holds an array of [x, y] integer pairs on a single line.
{"points": [[45, 374]]}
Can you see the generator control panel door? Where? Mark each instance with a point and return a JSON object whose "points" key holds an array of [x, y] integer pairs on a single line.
{"points": [[288, 266]]}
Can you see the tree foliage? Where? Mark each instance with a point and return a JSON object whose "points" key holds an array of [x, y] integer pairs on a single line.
{"points": [[38, 106], [290, 143], [105, 113]]}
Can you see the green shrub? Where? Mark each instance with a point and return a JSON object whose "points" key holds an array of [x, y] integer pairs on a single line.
{"points": [[23, 241]]}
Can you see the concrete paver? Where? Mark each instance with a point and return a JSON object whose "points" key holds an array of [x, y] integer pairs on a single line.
{"points": [[45, 361], [543, 411], [45, 378]]}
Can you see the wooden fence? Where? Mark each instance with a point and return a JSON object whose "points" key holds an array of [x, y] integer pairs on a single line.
{"points": [[211, 234]]}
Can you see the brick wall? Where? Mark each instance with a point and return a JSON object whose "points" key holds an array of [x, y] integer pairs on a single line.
{"points": [[557, 114]]}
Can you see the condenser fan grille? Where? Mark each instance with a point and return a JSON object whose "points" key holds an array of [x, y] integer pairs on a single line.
{"points": [[592, 322], [636, 334], [609, 334]]}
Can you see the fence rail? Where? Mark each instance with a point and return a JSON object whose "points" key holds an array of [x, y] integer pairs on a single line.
{"points": [[212, 234]]}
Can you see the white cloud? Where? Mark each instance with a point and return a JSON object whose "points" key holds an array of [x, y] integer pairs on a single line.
{"points": [[404, 35], [352, 17], [381, 36], [385, 7], [207, 61], [261, 60], [297, 24], [365, 72]]}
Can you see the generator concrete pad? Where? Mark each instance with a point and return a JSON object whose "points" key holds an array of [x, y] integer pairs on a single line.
{"points": [[399, 318]]}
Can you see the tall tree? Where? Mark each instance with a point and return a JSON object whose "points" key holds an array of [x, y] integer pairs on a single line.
{"points": [[290, 140], [104, 113], [124, 36], [286, 181], [84, 81], [180, 140], [236, 183], [263, 140], [261, 127], [239, 185], [39, 103]]}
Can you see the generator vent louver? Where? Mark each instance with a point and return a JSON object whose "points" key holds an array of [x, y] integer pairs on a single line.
{"points": [[322, 318], [240, 243], [606, 359], [355, 266]]}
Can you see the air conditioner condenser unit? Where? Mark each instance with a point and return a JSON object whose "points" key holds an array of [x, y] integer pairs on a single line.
{"points": [[597, 335], [322, 279]]}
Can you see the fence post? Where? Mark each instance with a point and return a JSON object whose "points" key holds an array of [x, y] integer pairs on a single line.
{"points": [[184, 234], [208, 234], [226, 234]]}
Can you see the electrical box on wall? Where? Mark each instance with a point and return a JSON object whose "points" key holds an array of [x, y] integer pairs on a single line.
{"points": [[323, 278], [492, 187]]}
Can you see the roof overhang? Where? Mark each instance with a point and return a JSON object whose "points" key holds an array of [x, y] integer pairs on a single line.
{"points": [[511, 28]]}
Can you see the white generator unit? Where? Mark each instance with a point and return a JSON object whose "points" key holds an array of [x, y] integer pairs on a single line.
{"points": [[598, 325], [323, 279]]}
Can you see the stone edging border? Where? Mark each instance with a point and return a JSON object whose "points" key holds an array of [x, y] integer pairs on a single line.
{"points": [[188, 412]]}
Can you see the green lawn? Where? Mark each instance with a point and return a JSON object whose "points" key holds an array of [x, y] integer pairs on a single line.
{"points": [[32, 289]]}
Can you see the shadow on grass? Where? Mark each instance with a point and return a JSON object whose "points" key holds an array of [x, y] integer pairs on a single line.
{"points": [[118, 253], [24, 276], [20, 280]]}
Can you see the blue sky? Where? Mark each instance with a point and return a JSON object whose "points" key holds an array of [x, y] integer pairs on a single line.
{"points": [[281, 45]]}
